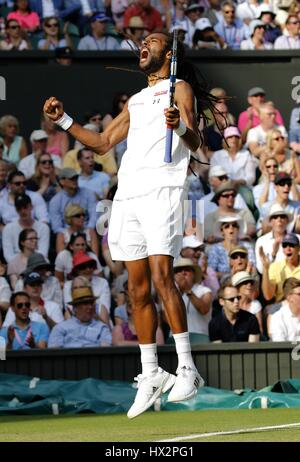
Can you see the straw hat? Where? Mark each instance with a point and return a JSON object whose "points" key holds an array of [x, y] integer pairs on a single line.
{"points": [[187, 262]]}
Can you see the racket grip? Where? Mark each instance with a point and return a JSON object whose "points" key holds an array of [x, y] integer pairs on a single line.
{"points": [[168, 151]]}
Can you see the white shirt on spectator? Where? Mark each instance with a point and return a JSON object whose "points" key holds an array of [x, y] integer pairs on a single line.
{"points": [[86, 9], [286, 42], [8, 211], [255, 307], [28, 163], [10, 238], [242, 167], [258, 135], [100, 289], [52, 309], [266, 241], [48, 8], [284, 326], [249, 45], [51, 290], [258, 190], [247, 10], [5, 292], [197, 322]]}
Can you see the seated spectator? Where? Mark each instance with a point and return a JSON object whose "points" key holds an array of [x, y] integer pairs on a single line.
{"points": [[238, 261], [3, 173], [84, 265], [16, 186], [58, 141], [23, 333], [231, 29], [287, 160], [285, 323], [118, 8], [27, 19], [205, 36], [11, 231], [53, 38], [98, 182], [265, 191], [14, 145], [28, 244], [247, 11], [193, 13], [5, 292], [276, 273], [290, 40], [257, 40], [231, 229], [94, 117], [224, 197], [82, 330], [71, 194], [238, 162], [99, 40], [213, 12], [64, 259], [175, 14], [14, 39], [150, 16], [256, 137], [233, 324], [196, 297], [53, 8], [245, 283], [294, 130], [134, 34], [44, 311], [38, 140], [279, 219], [51, 287], [267, 16], [44, 179]]}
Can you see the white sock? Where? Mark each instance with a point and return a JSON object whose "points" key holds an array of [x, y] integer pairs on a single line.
{"points": [[183, 349], [149, 358]]}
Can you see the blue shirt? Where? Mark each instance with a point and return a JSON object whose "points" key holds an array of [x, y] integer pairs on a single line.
{"points": [[76, 334], [96, 182], [85, 198], [40, 332], [233, 34], [218, 258]]}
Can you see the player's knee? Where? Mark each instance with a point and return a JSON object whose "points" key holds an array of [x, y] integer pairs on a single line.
{"points": [[139, 294], [162, 281]]}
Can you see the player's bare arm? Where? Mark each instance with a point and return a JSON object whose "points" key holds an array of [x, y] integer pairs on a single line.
{"points": [[100, 143]]}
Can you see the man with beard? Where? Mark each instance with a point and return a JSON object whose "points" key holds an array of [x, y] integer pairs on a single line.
{"points": [[145, 228]]}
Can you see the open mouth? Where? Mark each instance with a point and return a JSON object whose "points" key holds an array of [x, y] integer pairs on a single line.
{"points": [[144, 54]]}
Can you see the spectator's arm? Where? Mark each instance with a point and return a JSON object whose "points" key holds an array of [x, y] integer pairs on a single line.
{"points": [[256, 149], [268, 288], [60, 242], [106, 337], [202, 304], [253, 338], [94, 242]]}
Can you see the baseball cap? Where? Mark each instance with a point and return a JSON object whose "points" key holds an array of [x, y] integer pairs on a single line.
{"points": [[38, 135], [256, 91], [290, 238], [100, 17], [282, 176], [238, 249], [240, 277], [22, 200], [231, 131], [33, 278], [67, 173], [194, 6], [191, 241], [254, 24], [203, 23], [217, 170]]}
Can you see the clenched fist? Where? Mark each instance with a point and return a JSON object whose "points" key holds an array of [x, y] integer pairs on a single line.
{"points": [[53, 108]]}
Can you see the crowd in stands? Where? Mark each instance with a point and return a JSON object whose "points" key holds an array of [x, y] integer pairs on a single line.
{"points": [[68, 25], [239, 268]]}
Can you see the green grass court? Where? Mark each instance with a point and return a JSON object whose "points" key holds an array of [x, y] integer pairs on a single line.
{"points": [[153, 426]]}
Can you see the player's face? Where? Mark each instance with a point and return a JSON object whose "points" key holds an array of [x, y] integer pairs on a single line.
{"points": [[153, 53]]}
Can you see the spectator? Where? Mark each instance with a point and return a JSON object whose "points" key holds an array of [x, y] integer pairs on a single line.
{"points": [[290, 40], [27, 19], [14, 145], [265, 191], [276, 273], [214, 12], [205, 36], [53, 38], [98, 182], [193, 13], [28, 244], [256, 137], [38, 140], [14, 39], [257, 40], [12, 230], [58, 141], [44, 179], [294, 130], [150, 16], [231, 29], [285, 323], [239, 262], [231, 229], [118, 8], [44, 311], [52, 9], [23, 333], [64, 259], [94, 117], [245, 283], [267, 16], [99, 39], [251, 117], [233, 324], [247, 11], [3, 174], [134, 34], [16, 187], [175, 15], [287, 161], [82, 330], [238, 162], [5, 292], [71, 194], [213, 134], [196, 297], [51, 286]]}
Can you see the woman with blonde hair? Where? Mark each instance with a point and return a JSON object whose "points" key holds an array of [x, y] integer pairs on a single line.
{"points": [[14, 145], [287, 160], [44, 180], [74, 217]]}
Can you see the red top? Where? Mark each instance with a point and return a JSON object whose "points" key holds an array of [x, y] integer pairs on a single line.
{"points": [[151, 18]]}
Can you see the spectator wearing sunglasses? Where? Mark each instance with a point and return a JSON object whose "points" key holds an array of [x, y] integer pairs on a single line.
{"points": [[232, 30], [44, 180], [287, 159], [289, 40], [14, 37], [265, 190], [24, 334], [28, 20], [53, 38], [257, 40], [233, 324]]}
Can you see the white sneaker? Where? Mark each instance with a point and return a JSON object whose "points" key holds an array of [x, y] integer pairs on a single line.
{"points": [[187, 382], [149, 389]]}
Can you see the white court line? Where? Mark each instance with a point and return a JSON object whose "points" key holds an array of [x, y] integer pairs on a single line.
{"points": [[231, 432]]}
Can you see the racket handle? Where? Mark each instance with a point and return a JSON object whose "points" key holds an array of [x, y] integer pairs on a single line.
{"points": [[168, 151]]}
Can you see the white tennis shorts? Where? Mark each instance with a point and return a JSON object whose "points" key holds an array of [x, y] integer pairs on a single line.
{"points": [[147, 225]]}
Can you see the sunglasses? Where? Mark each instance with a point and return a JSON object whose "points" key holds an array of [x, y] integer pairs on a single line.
{"points": [[19, 183], [78, 215], [278, 138], [237, 255], [271, 113], [259, 95], [46, 162], [293, 22], [287, 244], [53, 24], [231, 299], [230, 225], [94, 119], [23, 305], [285, 183], [272, 166], [14, 27], [32, 239], [227, 196], [183, 269], [229, 12], [223, 177], [279, 216]]}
